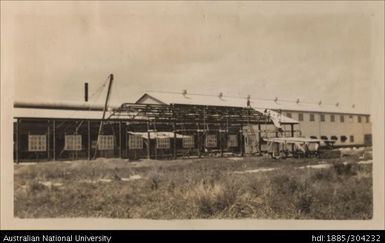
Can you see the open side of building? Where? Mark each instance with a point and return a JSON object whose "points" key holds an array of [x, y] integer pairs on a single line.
{"points": [[134, 131], [171, 125]]}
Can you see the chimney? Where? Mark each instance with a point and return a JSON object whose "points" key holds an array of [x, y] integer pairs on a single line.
{"points": [[86, 92]]}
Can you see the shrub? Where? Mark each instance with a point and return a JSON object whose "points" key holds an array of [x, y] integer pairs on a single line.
{"points": [[211, 199], [154, 178], [344, 169], [35, 186]]}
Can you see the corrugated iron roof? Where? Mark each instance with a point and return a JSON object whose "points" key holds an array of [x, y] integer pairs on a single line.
{"points": [[198, 99]]}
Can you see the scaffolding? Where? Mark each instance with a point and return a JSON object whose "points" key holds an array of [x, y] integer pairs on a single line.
{"points": [[164, 130]]}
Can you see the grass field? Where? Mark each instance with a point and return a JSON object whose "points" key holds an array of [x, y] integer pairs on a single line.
{"points": [[254, 187]]}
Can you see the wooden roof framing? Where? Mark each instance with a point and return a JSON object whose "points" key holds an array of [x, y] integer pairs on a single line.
{"points": [[190, 113]]}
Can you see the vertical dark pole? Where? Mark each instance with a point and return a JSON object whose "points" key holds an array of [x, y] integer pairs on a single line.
{"points": [[126, 142], [156, 149], [120, 139], [156, 140], [111, 76], [292, 135], [199, 141], [174, 128], [48, 141], [17, 140], [89, 139], [221, 139], [241, 138], [149, 140], [86, 92], [260, 139], [54, 140]]}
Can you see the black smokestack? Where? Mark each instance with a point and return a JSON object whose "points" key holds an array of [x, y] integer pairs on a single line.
{"points": [[86, 92]]}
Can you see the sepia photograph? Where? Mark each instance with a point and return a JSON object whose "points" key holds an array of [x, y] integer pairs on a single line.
{"points": [[192, 110]]}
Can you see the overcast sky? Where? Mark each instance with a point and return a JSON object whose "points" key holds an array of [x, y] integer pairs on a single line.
{"points": [[260, 49]]}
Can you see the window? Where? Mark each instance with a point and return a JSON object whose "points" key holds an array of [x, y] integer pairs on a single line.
{"points": [[300, 117], [335, 138], [135, 142], [313, 137], [342, 118], [251, 139], [368, 139], [288, 114], [332, 118], [163, 143], [324, 137], [343, 139], [351, 138], [73, 142], [232, 141], [311, 117], [322, 117], [106, 142], [37, 143], [367, 119], [359, 119], [211, 141], [188, 142]]}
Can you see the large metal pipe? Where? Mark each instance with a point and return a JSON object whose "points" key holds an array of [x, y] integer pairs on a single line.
{"points": [[86, 92], [59, 106]]}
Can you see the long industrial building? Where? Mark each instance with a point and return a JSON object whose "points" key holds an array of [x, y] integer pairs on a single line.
{"points": [[163, 125]]}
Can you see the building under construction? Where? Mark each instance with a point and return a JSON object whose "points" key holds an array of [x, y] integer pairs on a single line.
{"points": [[139, 131], [184, 126]]}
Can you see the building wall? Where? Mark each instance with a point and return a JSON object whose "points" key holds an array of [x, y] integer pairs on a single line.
{"points": [[349, 127]]}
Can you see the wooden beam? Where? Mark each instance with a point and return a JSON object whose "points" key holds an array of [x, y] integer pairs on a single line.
{"points": [[292, 135], [54, 140], [149, 141], [17, 141], [174, 149], [126, 141], [199, 141], [156, 142], [221, 138], [241, 138], [111, 77], [89, 139], [260, 139], [48, 141], [120, 139]]}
